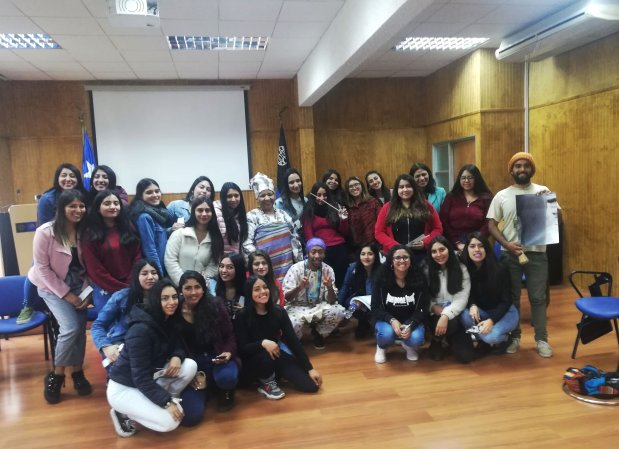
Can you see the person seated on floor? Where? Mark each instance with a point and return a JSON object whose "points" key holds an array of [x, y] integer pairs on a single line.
{"points": [[449, 292], [268, 345], [356, 291], [108, 330], [399, 304], [311, 295], [146, 381], [209, 339], [490, 306], [260, 264]]}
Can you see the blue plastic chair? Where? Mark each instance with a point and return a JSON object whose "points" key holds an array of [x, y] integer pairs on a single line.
{"points": [[599, 305], [11, 302]]}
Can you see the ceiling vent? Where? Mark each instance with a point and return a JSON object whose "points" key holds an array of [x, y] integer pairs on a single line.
{"points": [[565, 30], [133, 13]]}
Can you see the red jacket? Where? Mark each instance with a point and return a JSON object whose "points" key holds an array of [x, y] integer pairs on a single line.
{"points": [[384, 233]]}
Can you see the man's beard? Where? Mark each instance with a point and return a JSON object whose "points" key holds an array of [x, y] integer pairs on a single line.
{"points": [[522, 179]]}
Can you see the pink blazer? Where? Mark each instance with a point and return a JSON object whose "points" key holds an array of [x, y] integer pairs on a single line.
{"points": [[51, 262]]}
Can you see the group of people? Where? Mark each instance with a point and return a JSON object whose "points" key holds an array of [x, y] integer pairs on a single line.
{"points": [[191, 299]]}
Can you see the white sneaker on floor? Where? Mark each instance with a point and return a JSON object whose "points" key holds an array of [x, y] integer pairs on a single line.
{"points": [[543, 348], [513, 347], [411, 353], [381, 355]]}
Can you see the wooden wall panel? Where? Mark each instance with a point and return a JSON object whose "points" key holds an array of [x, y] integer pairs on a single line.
{"points": [[7, 190], [588, 69], [501, 83], [453, 91], [354, 153], [581, 163]]}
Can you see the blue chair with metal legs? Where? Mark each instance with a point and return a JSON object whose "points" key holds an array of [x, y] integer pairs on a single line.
{"points": [[11, 302], [599, 309]]}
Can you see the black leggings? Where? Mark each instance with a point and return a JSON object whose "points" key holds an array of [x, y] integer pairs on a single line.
{"points": [[261, 366], [337, 258]]}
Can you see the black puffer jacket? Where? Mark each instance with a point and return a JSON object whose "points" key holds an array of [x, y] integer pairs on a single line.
{"points": [[148, 347]]}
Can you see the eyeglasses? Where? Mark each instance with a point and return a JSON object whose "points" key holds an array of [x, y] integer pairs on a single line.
{"points": [[401, 258], [354, 186], [466, 178]]}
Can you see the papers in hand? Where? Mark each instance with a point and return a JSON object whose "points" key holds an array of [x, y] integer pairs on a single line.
{"points": [[85, 293], [418, 239]]}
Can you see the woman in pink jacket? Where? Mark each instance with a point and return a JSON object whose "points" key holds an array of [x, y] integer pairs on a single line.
{"points": [[58, 273], [407, 219]]}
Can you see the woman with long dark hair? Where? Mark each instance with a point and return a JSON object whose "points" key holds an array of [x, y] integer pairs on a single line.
{"points": [[358, 286], [198, 246], [489, 306], [230, 282], [109, 246], [59, 275], [333, 180], [231, 217], [321, 220], [151, 372], [209, 339], [268, 345], [180, 210], [399, 304], [426, 184], [450, 285], [377, 187], [363, 211], [291, 200], [151, 219], [259, 264], [408, 219], [271, 229], [104, 178], [466, 206], [66, 177], [108, 330]]}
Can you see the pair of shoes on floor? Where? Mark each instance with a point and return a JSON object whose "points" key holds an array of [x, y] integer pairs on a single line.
{"points": [[225, 400], [543, 349], [514, 346], [318, 340], [436, 350], [25, 315], [124, 426], [270, 390], [381, 355]]}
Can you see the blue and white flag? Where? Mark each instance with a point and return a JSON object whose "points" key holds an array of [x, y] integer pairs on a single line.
{"points": [[88, 161]]}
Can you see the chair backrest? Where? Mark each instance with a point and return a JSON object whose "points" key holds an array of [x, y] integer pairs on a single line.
{"points": [[593, 280], [11, 295]]}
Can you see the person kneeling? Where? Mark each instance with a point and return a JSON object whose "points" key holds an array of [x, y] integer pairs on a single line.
{"points": [[139, 390], [399, 304], [268, 345], [311, 295]]}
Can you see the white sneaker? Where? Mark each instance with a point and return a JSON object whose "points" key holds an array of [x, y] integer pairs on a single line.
{"points": [[381, 355], [513, 347], [411, 353], [543, 348]]}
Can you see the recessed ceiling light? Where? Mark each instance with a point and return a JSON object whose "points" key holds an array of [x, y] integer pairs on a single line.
{"points": [[28, 41], [439, 43], [217, 43]]}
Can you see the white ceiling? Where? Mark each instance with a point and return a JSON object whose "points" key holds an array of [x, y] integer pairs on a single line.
{"points": [[321, 41]]}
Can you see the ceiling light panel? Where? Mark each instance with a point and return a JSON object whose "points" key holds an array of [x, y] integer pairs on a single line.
{"points": [[28, 41], [217, 43], [439, 43]]}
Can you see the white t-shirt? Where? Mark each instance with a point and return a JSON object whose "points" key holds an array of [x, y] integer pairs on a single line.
{"points": [[503, 208]]}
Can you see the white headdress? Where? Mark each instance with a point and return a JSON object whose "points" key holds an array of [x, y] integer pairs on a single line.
{"points": [[261, 182]]}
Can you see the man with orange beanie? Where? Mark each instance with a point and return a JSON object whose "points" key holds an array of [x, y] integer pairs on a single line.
{"points": [[503, 209]]}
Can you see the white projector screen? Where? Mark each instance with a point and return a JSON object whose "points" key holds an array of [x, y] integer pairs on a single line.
{"points": [[172, 135]]}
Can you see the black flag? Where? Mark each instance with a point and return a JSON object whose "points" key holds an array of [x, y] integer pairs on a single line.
{"points": [[282, 162]]}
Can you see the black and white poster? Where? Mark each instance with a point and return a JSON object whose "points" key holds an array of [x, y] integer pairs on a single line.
{"points": [[538, 219]]}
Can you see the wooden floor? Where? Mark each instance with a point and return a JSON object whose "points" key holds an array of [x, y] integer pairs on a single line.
{"points": [[509, 401]]}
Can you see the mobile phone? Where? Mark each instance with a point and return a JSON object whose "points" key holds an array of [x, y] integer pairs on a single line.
{"points": [[218, 358]]}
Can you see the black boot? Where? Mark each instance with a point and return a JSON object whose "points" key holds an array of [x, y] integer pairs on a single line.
{"points": [[53, 385], [225, 400], [80, 383], [436, 349], [319, 341], [363, 329]]}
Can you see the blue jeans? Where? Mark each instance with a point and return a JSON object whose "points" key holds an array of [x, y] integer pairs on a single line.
{"points": [[99, 298], [225, 377], [385, 336], [500, 330]]}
